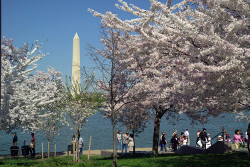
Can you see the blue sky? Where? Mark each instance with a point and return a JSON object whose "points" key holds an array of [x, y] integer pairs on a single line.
{"points": [[58, 21]]}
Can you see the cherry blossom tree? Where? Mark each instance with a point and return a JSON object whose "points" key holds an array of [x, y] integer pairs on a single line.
{"points": [[80, 102], [51, 116], [188, 59], [16, 65], [115, 82], [134, 117]]}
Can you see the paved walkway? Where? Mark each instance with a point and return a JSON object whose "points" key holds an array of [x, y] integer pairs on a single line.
{"points": [[84, 152], [98, 152]]}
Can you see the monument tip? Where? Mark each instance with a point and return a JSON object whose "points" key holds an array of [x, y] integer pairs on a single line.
{"points": [[76, 36]]}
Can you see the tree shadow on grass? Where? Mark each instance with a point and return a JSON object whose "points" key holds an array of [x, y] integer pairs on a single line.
{"points": [[203, 160]]}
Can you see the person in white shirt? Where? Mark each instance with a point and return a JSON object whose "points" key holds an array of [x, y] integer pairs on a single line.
{"points": [[246, 137], [131, 142], [187, 135], [81, 145], [184, 142], [208, 141], [220, 138]]}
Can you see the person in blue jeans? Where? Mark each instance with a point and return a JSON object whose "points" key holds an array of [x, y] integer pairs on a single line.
{"points": [[125, 138], [81, 145], [163, 142], [119, 140]]}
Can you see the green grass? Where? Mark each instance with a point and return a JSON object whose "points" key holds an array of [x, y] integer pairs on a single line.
{"points": [[171, 160]]}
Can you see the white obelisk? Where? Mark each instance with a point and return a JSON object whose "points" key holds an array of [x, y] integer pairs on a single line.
{"points": [[76, 77]]}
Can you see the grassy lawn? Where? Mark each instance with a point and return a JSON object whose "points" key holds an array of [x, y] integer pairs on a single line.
{"points": [[229, 159]]}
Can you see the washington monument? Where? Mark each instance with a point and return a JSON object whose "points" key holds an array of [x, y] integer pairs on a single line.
{"points": [[76, 76]]}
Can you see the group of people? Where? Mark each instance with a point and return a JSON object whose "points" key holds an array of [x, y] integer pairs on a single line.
{"points": [[204, 140], [175, 140], [124, 141], [32, 143]]}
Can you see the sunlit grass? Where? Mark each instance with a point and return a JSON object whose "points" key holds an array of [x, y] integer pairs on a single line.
{"points": [[171, 160]]}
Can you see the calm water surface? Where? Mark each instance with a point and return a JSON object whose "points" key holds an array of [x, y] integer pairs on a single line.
{"points": [[101, 131]]}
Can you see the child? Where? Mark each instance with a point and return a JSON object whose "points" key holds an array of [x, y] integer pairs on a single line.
{"points": [[220, 138], [228, 139], [184, 142]]}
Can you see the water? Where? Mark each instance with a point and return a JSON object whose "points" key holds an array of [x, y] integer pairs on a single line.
{"points": [[101, 131]]}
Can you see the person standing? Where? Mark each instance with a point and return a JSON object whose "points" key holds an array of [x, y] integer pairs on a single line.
{"points": [[248, 138], [237, 139], [125, 138], [175, 132], [227, 139], [119, 140], [131, 142], [208, 142], [198, 136], [73, 139], [15, 139], [224, 132], [203, 137], [81, 144], [184, 142], [163, 142], [241, 134], [187, 135], [175, 142], [32, 145], [182, 138]]}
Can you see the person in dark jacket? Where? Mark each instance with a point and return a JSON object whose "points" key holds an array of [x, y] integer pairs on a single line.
{"points": [[175, 142], [15, 139], [203, 137], [163, 142]]}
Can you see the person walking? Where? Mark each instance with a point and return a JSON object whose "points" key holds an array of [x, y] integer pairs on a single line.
{"points": [[237, 139], [131, 143], [203, 137], [125, 138], [248, 138], [15, 139], [163, 142], [186, 133], [119, 140], [32, 145]]}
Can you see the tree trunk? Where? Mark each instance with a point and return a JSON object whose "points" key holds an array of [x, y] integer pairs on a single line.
{"points": [[113, 101], [134, 142], [114, 145], [159, 113], [48, 148]]}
